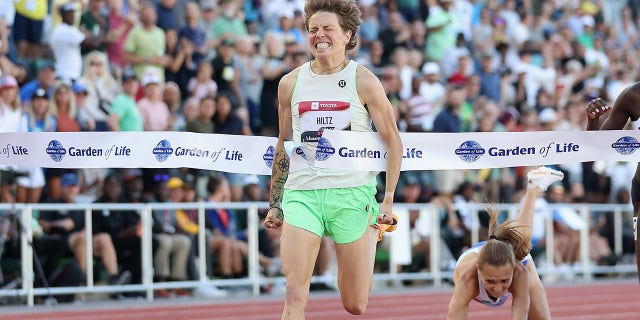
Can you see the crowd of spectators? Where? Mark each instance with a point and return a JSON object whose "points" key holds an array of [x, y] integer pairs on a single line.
{"points": [[213, 67]]}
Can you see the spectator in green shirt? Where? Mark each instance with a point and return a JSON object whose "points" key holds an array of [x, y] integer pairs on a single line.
{"points": [[124, 111]]}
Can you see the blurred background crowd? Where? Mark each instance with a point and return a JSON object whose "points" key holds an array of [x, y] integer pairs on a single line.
{"points": [[213, 66]]}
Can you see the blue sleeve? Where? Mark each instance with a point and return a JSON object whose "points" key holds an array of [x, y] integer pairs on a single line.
{"points": [[54, 124], [212, 220], [27, 90]]}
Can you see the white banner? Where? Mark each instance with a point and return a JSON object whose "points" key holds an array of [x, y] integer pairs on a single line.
{"points": [[230, 153], [344, 150], [477, 150]]}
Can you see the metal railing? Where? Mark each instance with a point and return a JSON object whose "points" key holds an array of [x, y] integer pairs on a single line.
{"points": [[24, 212]]}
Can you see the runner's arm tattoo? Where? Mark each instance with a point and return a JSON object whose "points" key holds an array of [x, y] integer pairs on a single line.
{"points": [[279, 175]]}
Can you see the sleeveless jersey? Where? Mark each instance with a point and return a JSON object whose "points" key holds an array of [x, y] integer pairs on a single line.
{"points": [[483, 296], [325, 102]]}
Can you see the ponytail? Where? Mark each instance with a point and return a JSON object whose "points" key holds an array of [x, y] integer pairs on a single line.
{"points": [[506, 245]]}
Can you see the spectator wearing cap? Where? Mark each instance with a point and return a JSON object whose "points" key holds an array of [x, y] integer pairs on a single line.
{"points": [[65, 42], [207, 19], [45, 79], [587, 35], [10, 109], [56, 15], [186, 219], [80, 92], [171, 252], [146, 43], [489, 78], [548, 119], [125, 115], [59, 225], [39, 118], [101, 88], [155, 113], [102, 244], [95, 23], [11, 120], [119, 27], [226, 72], [28, 27], [431, 87]]}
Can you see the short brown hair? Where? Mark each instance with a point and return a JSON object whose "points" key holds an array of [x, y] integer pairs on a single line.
{"points": [[348, 16]]}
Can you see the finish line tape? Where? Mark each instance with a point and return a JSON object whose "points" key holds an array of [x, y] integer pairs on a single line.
{"points": [[343, 150]]}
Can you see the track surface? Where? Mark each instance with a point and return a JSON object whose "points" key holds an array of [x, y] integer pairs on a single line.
{"points": [[608, 300]]}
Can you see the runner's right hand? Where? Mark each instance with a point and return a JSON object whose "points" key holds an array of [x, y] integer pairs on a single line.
{"points": [[596, 108], [274, 218]]}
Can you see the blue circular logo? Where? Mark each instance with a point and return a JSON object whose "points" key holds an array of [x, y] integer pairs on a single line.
{"points": [[55, 150], [300, 151], [163, 150], [470, 151], [626, 145], [324, 150], [268, 156]]}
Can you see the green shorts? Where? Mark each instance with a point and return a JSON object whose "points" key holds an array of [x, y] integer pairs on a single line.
{"points": [[344, 214]]}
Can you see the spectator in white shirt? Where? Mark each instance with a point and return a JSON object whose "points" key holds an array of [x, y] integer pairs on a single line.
{"points": [[65, 42]]}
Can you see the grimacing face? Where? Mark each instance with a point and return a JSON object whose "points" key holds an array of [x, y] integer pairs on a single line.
{"points": [[326, 35], [496, 279]]}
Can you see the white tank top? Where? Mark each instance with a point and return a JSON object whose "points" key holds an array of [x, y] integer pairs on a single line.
{"points": [[483, 296], [326, 102]]}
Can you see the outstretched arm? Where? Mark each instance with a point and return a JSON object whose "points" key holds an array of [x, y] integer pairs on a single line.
{"points": [[520, 291], [623, 109], [466, 288], [280, 167], [373, 96], [459, 304]]}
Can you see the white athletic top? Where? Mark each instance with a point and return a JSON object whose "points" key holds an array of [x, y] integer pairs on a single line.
{"points": [[483, 296], [326, 102]]}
